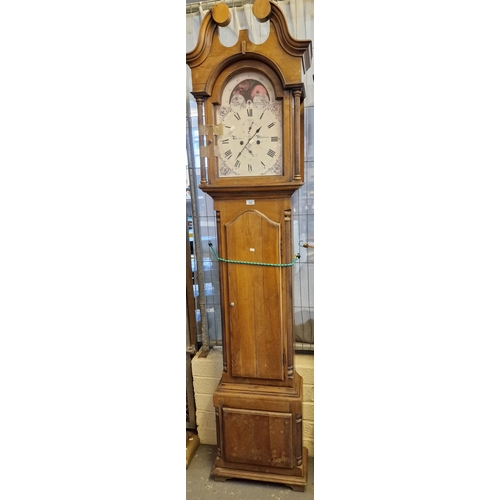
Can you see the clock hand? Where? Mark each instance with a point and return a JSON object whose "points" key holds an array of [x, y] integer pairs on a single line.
{"points": [[256, 132], [251, 138], [244, 147], [239, 154]]}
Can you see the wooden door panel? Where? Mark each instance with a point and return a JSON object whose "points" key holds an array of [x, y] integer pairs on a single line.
{"points": [[254, 293]]}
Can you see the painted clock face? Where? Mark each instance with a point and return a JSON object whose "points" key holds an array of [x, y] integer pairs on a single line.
{"points": [[251, 142]]}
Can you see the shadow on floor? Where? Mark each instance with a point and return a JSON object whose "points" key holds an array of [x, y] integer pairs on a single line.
{"points": [[201, 486]]}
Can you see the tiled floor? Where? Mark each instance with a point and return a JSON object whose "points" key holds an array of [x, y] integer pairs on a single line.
{"points": [[201, 486]]}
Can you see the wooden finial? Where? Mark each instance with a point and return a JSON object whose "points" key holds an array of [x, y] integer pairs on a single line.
{"points": [[261, 10], [221, 14]]}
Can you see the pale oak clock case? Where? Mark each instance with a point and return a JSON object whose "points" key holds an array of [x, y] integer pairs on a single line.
{"points": [[258, 402]]}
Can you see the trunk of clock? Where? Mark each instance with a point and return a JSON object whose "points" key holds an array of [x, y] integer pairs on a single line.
{"points": [[259, 398]]}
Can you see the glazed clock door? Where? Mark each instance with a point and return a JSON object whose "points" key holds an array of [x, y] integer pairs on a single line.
{"points": [[254, 292], [250, 144]]}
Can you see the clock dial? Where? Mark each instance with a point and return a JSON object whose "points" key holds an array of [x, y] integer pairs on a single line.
{"points": [[251, 143]]}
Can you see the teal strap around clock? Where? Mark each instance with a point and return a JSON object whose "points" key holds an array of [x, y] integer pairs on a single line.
{"points": [[295, 259]]}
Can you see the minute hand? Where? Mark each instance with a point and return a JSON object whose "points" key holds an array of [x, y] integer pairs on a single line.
{"points": [[255, 133]]}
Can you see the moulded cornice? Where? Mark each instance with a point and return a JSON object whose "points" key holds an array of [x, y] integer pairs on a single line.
{"points": [[290, 45]]}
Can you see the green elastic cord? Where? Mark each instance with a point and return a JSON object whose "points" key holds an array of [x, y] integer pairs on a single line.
{"points": [[295, 259]]}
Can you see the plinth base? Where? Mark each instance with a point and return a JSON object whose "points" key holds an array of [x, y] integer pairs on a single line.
{"points": [[297, 483], [259, 433]]}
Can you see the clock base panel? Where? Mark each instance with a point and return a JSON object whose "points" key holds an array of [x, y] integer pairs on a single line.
{"points": [[259, 433], [297, 483]]}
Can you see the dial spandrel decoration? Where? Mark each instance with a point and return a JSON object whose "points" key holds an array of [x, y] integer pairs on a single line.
{"points": [[251, 143]]}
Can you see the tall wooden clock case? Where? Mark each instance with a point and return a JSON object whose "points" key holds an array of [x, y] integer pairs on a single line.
{"points": [[250, 116]]}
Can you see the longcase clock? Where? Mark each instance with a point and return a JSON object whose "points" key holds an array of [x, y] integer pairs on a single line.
{"points": [[250, 116]]}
